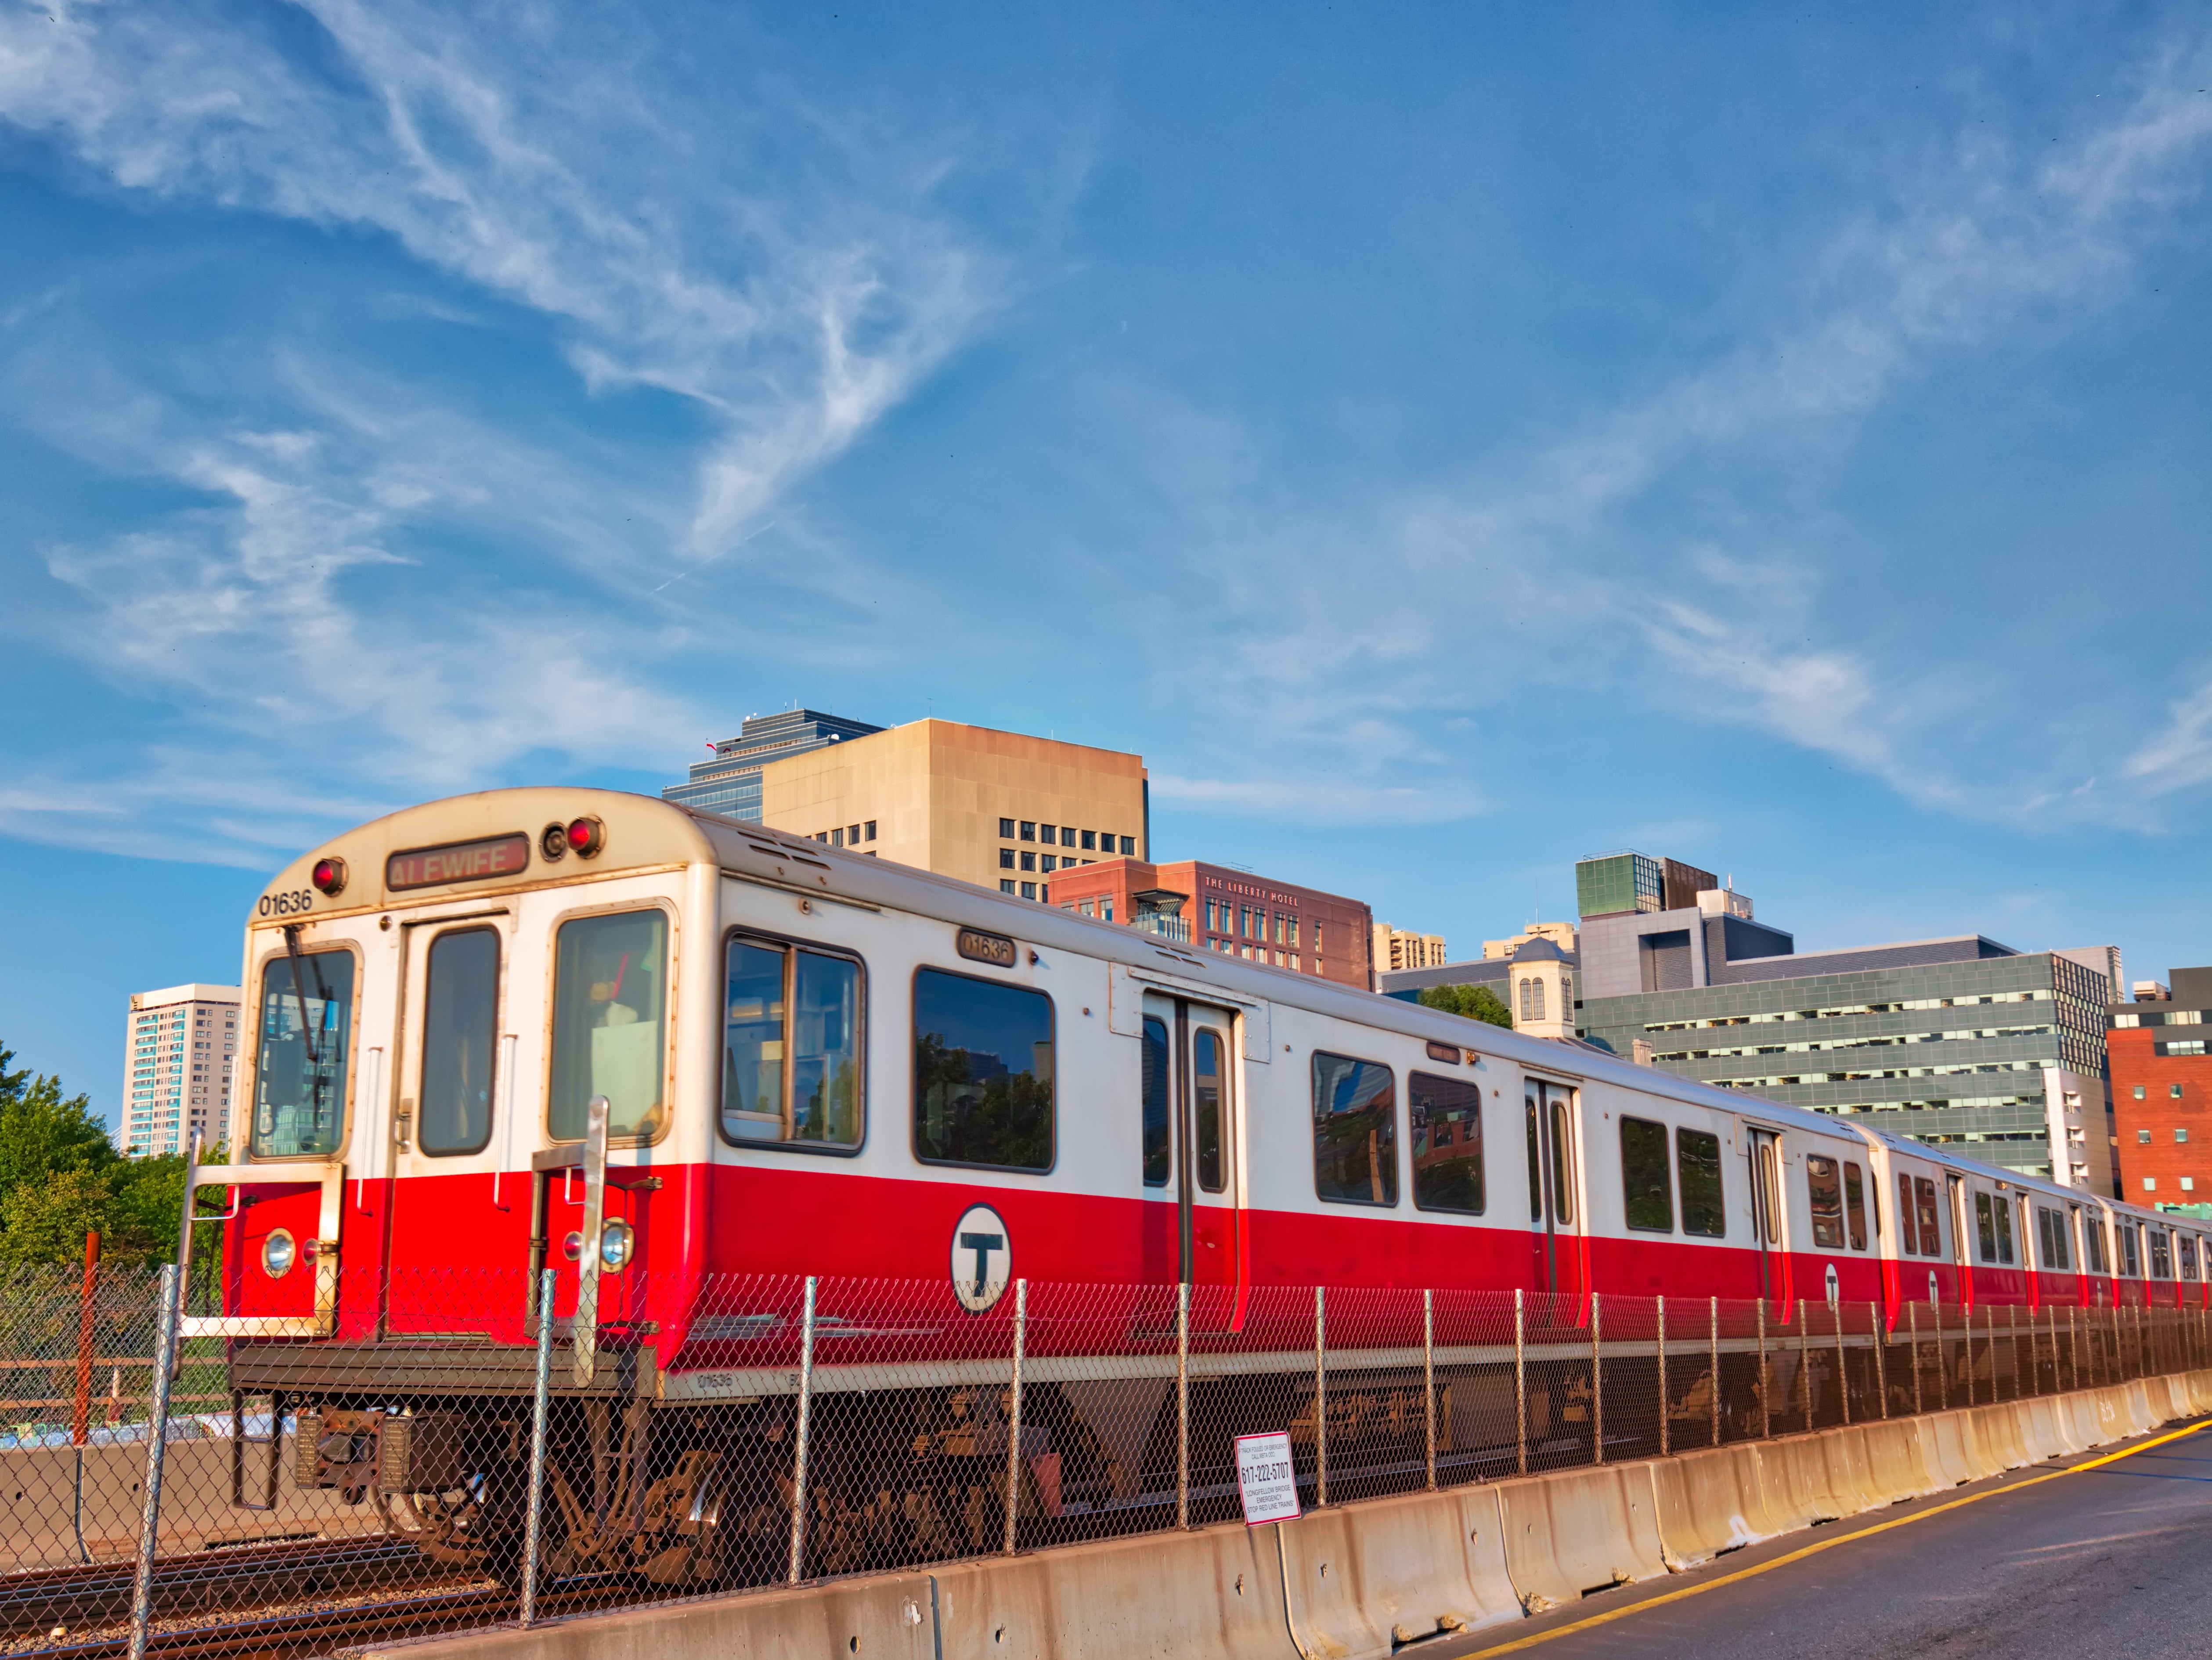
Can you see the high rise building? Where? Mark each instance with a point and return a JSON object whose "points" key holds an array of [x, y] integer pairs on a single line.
{"points": [[998, 808], [729, 782], [179, 1048], [1219, 907], [2162, 1088], [1565, 935], [1398, 949], [1615, 883]]}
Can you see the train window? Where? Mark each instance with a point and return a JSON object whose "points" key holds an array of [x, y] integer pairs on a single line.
{"points": [[2162, 1255], [1854, 1205], [1535, 1162], [2092, 1239], [1931, 1227], [1355, 1131], [1207, 1068], [1446, 1128], [2131, 1262], [983, 1072], [1697, 1163], [2185, 1247], [609, 1015], [460, 1027], [1563, 1180], [1645, 1186], [2051, 1234], [1825, 1190], [1155, 1105], [1908, 1231], [1985, 1226], [2004, 1209], [306, 1039], [791, 1046]]}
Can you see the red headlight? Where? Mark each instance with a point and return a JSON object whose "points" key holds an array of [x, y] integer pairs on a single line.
{"points": [[329, 875], [587, 836]]}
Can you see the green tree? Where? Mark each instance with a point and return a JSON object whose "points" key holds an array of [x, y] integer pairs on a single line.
{"points": [[1474, 1002], [47, 1221]]}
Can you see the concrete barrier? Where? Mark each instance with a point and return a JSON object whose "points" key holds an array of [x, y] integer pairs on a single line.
{"points": [[1216, 1591], [1370, 1579], [2166, 1402], [1999, 1428], [1577, 1531], [1799, 1481], [1709, 1502], [1947, 1444], [2139, 1419], [2047, 1429], [1897, 1461]]}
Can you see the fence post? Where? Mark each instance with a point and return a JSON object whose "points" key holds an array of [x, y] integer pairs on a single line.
{"points": [[799, 1441], [2012, 1346], [1766, 1393], [1597, 1390], [1843, 1371], [1321, 1398], [1967, 1322], [80, 1415], [1183, 1408], [1912, 1330], [1662, 1376], [2073, 1346], [532, 1519], [1880, 1357], [1014, 1414], [1428, 1377], [1520, 1383], [1716, 1369], [157, 1435], [1805, 1362]]}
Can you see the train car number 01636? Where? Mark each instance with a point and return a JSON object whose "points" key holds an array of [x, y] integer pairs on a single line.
{"points": [[285, 904]]}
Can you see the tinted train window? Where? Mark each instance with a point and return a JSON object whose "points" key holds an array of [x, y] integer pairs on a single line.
{"points": [[2003, 1208], [1854, 1205], [2050, 1230], [2161, 1256], [1447, 1130], [1824, 1188], [306, 1036], [2186, 1244], [982, 1072], [1908, 1229], [1209, 1080], [1931, 1229], [1986, 1227], [610, 1013], [1355, 1131], [1644, 1181], [2093, 1236], [1155, 1109], [791, 1046], [2130, 1261], [1697, 1163], [460, 1025]]}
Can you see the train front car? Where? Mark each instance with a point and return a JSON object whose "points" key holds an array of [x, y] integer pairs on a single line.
{"points": [[463, 1067]]}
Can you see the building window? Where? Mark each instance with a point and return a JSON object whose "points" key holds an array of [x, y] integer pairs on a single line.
{"points": [[1005, 858], [2181, 1135], [2142, 1137], [983, 1072], [1049, 864], [1028, 829], [1068, 836], [1029, 861], [1044, 892], [851, 836], [871, 827], [1089, 908], [2173, 1091], [1048, 836], [1091, 841], [1028, 889], [2150, 1184], [2188, 1184], [1007, 829], [1005, 885], [2139, 1091], [1106, 909], [1130, 847]]}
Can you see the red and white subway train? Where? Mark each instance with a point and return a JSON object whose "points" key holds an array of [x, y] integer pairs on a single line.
{"points": [[814, 1062]]}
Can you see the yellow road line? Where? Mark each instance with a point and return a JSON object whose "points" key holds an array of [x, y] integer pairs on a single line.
{"points": [[1814, 1549]]}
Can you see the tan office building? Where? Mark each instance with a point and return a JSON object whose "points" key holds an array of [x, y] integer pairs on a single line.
{"points": [[998, 808], [1396, 950]]}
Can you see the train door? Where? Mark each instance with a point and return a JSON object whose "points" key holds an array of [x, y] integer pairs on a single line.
{"points": [[1763, 1150], [1961, 1225], [1194, 1160], [1554, 1215]]}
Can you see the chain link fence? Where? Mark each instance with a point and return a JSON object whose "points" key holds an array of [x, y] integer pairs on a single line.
{"points": [[224, 1493]]}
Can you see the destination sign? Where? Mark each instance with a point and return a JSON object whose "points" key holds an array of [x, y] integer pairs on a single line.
{"points": [[457, 861]]}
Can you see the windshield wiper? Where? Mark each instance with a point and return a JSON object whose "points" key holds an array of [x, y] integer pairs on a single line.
{"points": [[300, 997]]}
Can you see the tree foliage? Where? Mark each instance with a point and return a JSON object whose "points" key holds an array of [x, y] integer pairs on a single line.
{"points": [[61, 1177], [1474, 1002]]}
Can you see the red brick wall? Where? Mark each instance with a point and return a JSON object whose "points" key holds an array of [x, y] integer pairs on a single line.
{"points": [[2137, 1066], [1346, 925]]}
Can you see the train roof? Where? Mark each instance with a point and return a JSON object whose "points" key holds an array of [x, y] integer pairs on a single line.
{"points": [[643, 833]]}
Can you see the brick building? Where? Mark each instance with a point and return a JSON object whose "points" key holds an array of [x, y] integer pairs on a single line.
{"points": [[2161, 1090], [1215, 908]]}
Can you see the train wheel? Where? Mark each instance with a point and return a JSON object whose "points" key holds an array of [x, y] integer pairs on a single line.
{"points": [[452, 1526]]}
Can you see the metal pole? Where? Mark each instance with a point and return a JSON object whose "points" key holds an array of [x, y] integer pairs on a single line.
{"points": [[798, 1445], [1428, 1377], [1842, 1372], [1597, 1390], [1989, 1326], [1912, 1329], [1804, 1362], [1662, 1376], [533, 1522], [1968, 1323], [1766, 1395], [1717, 1370], [2073, 1345], [1321, 1398], [80, 1416], [2012, 1346], [157, 1435], [1014, 1414], [1182, 1407], [1520, 1383], [1880, 1357]]}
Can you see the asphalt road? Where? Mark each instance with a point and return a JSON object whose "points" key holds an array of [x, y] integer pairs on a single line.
{"points": [[2112, 1561]]}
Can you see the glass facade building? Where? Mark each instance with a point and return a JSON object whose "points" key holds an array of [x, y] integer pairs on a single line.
{"points": [[1946, 1052], [730, 784]]}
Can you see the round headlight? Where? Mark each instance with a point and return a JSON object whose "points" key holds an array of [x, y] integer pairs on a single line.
{"points": [[278, 1253], [616, 1241]]}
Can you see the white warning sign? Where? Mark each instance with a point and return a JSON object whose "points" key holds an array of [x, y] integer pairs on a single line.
{"points": [[1266, 1479]]}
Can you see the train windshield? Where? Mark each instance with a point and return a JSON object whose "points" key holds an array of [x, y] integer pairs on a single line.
{"points": [[306, 1041], [610, 1014]]}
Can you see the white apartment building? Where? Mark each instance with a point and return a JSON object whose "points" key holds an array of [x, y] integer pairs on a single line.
{"points": [[179, 1051]]}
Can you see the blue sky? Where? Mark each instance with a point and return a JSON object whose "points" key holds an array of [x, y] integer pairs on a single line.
{"points": [[1443, 440]]}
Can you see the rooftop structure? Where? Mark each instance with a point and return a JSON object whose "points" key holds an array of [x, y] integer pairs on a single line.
{"points": [[729, 782]]}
